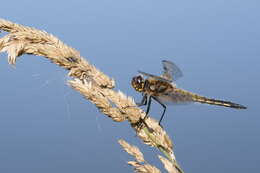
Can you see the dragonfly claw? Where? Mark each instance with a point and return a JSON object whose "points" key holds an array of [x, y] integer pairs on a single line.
{"points": [[142, 124]]}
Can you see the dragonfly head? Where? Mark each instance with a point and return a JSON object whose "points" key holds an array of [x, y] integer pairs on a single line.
{"points": [[138, 83]]}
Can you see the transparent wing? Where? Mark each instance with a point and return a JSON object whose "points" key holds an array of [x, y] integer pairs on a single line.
{"points": [[175, 97], [154, 76], [171, 71]]}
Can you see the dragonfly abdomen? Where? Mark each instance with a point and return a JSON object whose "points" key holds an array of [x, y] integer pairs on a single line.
{"points": [[210, 101]]}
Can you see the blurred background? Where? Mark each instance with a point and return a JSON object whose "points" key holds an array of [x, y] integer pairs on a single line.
{"points": [[45, 126]]}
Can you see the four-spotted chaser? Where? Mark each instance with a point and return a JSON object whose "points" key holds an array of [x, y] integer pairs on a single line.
{"points": [[163, 90]]}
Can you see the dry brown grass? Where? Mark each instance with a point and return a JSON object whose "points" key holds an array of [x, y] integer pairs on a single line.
{"points": [[94, 85]]}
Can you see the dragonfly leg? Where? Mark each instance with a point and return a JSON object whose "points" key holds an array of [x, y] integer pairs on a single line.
{"points": [[148, 106], [142, 120], [143, 102], [164, 108]]}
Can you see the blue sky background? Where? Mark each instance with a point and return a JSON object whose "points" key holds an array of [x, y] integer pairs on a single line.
{"points": [[45, 126]]}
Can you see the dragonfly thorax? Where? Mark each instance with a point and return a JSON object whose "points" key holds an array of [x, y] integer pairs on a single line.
{"points": [[138, 83]]}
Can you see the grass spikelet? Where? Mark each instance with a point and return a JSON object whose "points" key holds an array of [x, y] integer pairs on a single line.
{"points": [[96, 97], [146, 168], [140, 165], [168, 165], [132, 150]]}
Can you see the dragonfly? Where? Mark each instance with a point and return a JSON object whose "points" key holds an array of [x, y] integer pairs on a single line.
{"points": [[164, 90]]}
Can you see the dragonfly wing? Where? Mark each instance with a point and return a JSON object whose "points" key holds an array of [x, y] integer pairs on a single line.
{"points": [[175, 97], [154, 76], [171, 71]]}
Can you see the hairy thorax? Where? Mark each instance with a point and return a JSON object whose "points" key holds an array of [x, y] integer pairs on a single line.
{"points": [[157, 87]]}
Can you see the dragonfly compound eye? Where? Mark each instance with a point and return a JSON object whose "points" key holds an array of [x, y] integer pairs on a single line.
{"points": [[137, 83]]}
